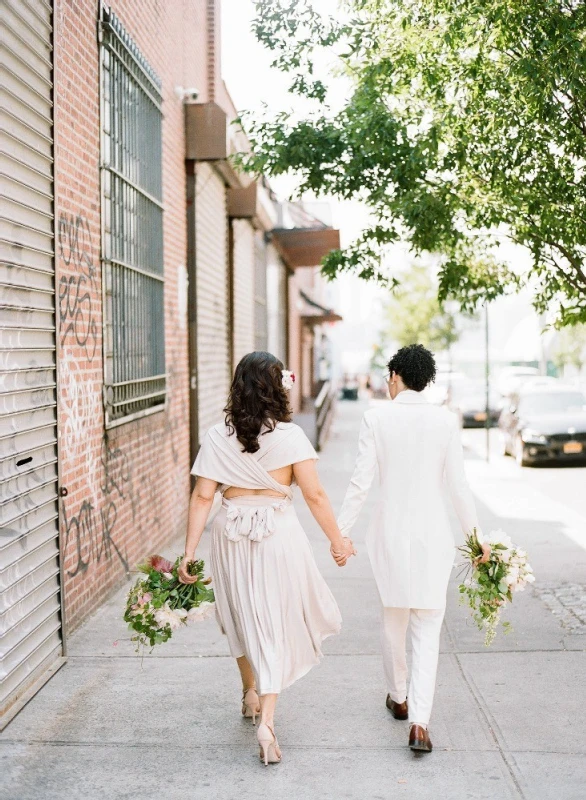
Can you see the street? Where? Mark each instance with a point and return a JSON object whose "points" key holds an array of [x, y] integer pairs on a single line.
{"points": [[240, 213], [506, 722], [564, 483]]}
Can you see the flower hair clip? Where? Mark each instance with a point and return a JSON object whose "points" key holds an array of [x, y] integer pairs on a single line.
{"points": [[288, 379]]}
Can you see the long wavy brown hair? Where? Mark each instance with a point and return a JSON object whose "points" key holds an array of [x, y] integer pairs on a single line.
{"points": [[257, 399]]}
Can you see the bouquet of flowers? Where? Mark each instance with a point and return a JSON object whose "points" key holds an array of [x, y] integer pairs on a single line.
{"points": [[488, 587], [159, 603]]}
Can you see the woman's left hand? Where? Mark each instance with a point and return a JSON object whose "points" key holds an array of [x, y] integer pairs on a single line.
{"points": [[342, 555], [183, 574]]}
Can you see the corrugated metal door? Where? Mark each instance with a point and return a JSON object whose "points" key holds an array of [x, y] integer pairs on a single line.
{"points": [[243, 288], [277, 305], [30, 619], [212, 290], [260, 292]]}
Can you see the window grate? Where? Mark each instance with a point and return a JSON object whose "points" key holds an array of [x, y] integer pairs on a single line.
{"points": [[132, 225]]}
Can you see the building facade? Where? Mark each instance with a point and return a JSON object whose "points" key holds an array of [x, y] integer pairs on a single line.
{"points": [[137, 267]]}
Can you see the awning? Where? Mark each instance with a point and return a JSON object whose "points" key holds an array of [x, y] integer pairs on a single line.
{"points": [[315, 313], [209, 137], [305, 247], [320, 319]]}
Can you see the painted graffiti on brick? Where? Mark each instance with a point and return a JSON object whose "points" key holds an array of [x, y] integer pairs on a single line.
{"points": [[76, 291], [82, 409], [177, 416], [91, 533]]}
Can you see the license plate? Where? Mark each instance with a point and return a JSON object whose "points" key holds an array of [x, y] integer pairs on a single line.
{"points": [[480, 417], [573, 447]]}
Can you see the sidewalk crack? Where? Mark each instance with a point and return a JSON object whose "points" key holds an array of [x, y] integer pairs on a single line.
{"points": [[485, 714]]}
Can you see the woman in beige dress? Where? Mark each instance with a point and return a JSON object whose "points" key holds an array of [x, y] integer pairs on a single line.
{"points": [[271, 600]]}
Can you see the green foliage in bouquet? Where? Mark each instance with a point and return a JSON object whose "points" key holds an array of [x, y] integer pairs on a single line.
{"points": [[489, 586], [159, 603]]}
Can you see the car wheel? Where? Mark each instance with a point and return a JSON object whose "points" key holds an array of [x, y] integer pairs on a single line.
{"points": [[520, 452]]}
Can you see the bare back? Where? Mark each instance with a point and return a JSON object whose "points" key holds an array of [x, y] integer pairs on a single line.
{"points": [[283, 475]]}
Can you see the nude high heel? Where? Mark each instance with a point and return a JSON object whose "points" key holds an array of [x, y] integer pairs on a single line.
{"points": [[250, 704], [269, 752]]}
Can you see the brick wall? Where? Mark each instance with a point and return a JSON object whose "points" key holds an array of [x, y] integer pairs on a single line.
{"points": [[127, 488]]}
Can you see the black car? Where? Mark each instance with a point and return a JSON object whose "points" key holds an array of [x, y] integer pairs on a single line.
{"points": [[545, 425], [468, 400]]}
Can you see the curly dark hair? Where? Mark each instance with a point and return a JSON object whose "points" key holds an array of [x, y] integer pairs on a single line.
{"points": [[257, 398], [415, 365]]}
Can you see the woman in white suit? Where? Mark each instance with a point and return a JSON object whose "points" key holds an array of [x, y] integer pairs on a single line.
{"points": [[416, 447]]}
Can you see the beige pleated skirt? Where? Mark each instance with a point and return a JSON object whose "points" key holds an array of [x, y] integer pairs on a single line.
{"points": [[271, 600]]}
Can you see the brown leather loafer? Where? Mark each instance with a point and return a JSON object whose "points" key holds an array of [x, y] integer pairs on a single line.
{"points": [[419, 739], [398, 710]]}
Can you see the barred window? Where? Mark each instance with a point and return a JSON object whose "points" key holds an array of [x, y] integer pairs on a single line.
{"points": [[132, 227]]}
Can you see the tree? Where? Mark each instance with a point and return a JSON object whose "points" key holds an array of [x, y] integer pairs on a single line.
{"points": [[415, 315], [378, 359], [466, 123], [570, 348]]}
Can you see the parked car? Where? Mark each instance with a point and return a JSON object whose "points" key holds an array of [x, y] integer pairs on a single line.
{"points": [[350, 388], [441, 389], [510, 379], [469, 403], [538, 382], [543, 425]]}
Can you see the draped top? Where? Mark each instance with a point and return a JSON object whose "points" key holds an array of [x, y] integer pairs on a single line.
{"points": [[221, 459]]}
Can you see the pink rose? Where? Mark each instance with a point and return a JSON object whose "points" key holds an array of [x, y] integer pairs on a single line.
{"points": [[159, 563]]}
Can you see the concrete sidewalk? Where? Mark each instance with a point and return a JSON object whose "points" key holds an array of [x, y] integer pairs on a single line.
{"points": [[507, 721]]}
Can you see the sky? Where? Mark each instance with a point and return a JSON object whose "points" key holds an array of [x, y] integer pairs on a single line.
{"points": [[252, 83]]}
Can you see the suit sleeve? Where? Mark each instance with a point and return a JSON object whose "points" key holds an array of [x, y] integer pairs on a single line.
{"points": [[457, 484], [361, 480]]}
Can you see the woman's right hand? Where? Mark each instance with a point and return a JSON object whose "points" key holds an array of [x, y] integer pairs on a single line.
{"points": [[183, 574], [342, 552]]}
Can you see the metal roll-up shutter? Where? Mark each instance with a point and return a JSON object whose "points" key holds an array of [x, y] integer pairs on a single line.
{"points": [[243, 282], [277, 315], [212, 288], [260, 292], [30, 618]]}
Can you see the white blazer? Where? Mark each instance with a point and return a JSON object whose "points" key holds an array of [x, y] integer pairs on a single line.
{"points": [[416, 446]]}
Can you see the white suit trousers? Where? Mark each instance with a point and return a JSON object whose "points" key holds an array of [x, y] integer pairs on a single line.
{"points": [[426, 625]]}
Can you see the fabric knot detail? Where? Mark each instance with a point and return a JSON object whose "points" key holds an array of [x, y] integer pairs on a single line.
{"points": [[254, 522]]}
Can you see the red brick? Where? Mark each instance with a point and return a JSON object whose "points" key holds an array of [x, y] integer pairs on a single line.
{"points": [[152, 483]]}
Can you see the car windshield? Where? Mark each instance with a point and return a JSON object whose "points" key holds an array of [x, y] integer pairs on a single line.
{"points": [[554, 403], [470, 391]]}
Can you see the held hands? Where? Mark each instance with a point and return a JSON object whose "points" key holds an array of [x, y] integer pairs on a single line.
{"points": [[183, 574], [342, 553]]}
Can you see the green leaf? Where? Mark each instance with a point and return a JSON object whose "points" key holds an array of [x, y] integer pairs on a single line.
{"points": [[464, 122]]}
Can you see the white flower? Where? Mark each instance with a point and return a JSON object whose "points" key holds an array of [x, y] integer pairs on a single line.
{"points": [[194, 615], [530, 578], [200, 612], [520, 553], [288, 379], [168, 616], [168, 575], [499, 537], [512, 577]]}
